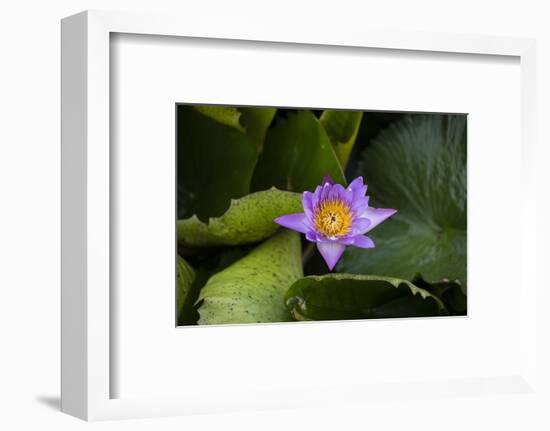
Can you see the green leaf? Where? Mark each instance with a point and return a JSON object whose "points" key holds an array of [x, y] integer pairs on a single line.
{"points": [[418, 166], [342, 128], [205, 263], [248, 219], [351, 296], [185, 277], [256, 121], [252, 121], [296, 156], [215, 163], [252, 289], [449, 292], [227, 115]]}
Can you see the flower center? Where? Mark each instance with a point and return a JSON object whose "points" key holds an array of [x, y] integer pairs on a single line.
{"points": [[333, 218]]}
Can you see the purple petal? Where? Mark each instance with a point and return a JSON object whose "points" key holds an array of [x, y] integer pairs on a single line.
{"points": [[297, 222], [358, 188], [360, 205], [315, 197], [361, 225], [346, 240], [328, 179], [307, 203], [317, 192], [331, 252], [356, 184], [338, 192], [325, 191], [377, 215], [311, 236], [348, 196], [363, 241]]}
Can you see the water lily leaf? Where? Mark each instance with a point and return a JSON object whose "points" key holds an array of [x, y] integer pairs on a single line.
{"points": [[252, 289], [256, 121], [227, 115], [215, 163], [351, 296], [248, 219], [418, 166], [205, 263], [185, 277], [449, 292], [252, 121], [218, 149], [297, 155], [342, 128]]}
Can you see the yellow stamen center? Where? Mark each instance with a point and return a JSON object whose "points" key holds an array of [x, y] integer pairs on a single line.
{"points": [[333, 218]]}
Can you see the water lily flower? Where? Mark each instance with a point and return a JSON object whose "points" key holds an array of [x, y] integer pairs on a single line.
{"points": [[335, 217]]}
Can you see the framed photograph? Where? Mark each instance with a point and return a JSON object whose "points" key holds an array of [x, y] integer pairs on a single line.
{"points": [[252, 179], [238, 203]]}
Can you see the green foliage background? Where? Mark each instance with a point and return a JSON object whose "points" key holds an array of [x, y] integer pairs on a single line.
{"points": [[241, 167]]}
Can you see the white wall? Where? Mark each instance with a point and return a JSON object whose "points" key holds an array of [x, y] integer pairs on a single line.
{"points": [[30, 200]]}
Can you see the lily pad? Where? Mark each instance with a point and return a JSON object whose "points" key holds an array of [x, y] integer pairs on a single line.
{"points": [[449, 292], [351, 296], [215, 162], [342, 128], [228, 115], [185, 277], [418, 166], [248, 219], [252, 290], [252, 121], [297, 155], [256, 121]]}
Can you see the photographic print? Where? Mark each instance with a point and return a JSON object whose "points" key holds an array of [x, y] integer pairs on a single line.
{"points": [[287, 214]]}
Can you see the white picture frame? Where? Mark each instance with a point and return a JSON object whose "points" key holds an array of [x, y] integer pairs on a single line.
{"points": [[87, 340]]}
